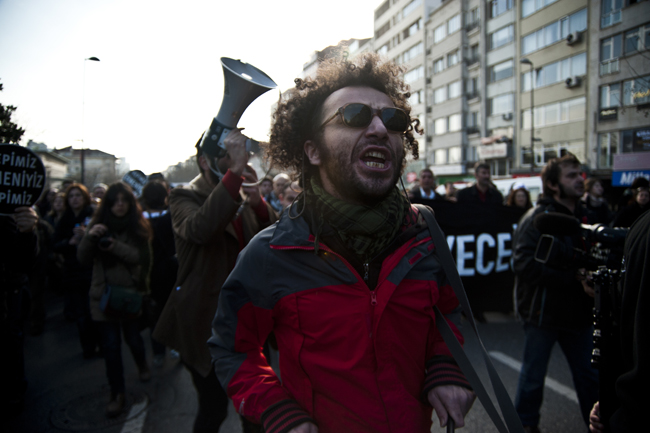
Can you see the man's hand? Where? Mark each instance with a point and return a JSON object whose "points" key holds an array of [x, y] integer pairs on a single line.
{"points": [[237, 157], [595, 426], [25, 218], [252, 192], [451, 400], [306, 427]]}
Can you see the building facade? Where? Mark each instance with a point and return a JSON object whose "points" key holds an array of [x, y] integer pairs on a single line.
{"points": [[89, 166], [476, 68]]}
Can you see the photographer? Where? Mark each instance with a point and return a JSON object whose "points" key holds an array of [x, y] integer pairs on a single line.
{"points": [[626, 411], [552, 299]]}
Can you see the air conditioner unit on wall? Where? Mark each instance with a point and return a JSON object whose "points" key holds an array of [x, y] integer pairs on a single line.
{"points": [[572, 82], [573, 38], [507, 116]]}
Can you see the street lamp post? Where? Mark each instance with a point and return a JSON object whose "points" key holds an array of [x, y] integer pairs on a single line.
{"points": [[526, 61], [83, 120]]}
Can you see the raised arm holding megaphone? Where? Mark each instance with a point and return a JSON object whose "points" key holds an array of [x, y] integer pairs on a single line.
{"points": [[243, 83]]}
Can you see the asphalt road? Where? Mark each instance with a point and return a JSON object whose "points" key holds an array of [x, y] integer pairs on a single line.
{"points": [[67, 393]]}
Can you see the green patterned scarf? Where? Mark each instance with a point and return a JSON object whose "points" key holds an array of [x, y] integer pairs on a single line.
{"points": [[365, 230]]}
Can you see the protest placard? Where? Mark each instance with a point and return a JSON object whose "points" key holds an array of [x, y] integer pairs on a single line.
{"points": [[22, 177]]}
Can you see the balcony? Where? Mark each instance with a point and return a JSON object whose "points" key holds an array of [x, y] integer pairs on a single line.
{"points": [[472, 26], [609, 67], [472, 130]]}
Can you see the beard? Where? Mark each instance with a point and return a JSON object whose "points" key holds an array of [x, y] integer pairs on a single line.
{"points": [[350, 185]]}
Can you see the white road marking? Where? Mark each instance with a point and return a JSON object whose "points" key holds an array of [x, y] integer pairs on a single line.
{"points": [[135, 425], [550, 383]]}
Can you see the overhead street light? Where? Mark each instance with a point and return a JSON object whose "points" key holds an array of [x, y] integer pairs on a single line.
{"points": [[83, 120], [526, 61]]}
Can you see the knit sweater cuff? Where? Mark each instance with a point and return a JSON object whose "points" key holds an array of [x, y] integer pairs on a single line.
{"points": [[283, 416], [443, 370]]}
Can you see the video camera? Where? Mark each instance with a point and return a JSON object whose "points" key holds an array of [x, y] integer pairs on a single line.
{"points": [[602, 246]]}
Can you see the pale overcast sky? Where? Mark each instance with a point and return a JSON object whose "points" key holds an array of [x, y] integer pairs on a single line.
{"points": [[159, 81]]}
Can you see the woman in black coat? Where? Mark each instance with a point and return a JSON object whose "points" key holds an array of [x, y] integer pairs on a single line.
{"points": [[75, 280]]}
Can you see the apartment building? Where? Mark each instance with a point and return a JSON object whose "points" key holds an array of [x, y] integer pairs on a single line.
{"points": [[619, 90], [399, 35]]}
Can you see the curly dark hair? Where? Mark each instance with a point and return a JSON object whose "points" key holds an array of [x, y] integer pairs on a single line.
{"points": [[296, 118]]}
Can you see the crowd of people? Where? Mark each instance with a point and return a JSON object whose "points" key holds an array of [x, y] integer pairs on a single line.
{"points": [[346, 276]]}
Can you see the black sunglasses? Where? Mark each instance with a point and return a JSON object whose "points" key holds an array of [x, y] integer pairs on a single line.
{"points": [[357, 115]]}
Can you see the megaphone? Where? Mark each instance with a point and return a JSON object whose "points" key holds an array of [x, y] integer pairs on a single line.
{"points": [[243, 83]]}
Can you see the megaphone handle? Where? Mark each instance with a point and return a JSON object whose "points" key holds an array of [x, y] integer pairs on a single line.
{"points": [[451, 425]]}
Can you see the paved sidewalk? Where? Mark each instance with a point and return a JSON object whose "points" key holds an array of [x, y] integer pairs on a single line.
{"points": [[68, 393]]}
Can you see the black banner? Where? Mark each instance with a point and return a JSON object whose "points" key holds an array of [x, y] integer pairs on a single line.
{"points": [[22, 177], [480, 240]]}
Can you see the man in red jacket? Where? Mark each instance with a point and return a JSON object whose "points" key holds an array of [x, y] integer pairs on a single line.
{"points": [[348, 278]]}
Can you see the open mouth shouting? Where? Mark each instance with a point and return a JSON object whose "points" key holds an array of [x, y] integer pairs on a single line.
{"points": [[375, 159]]}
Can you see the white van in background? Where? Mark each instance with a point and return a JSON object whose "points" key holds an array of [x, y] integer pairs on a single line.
{"points": [[533, 184]]}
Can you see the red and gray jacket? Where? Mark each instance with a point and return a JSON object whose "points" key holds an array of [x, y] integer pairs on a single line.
{"points": [[351, 358]]}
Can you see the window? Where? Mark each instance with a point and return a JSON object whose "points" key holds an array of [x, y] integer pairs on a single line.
{"points": [[440, 126], [501, 71], [472, 120], [637, 39], [455, 123], [635, 140], [438, 65], [410, 7], [554, 32], [556, 72], [555, 113], [416, 98], [382, 9], [454, 155], [472, 18], [381, 30], [502, 37], [452, 58], [454, 90], [501, 104], [414, 74], [610, 96], [610, 51], [529, 7], [453, 24], [383, 50], [440, 95], [412, 29], [611, 12], [441, 156], [473, 54], [636, 91], [607, 148], [439, 33], [414, 51], [497, 7], [471, 87]]}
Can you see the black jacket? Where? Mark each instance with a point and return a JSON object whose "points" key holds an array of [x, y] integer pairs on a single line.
{"points": [[471, 195], [548, 295]]}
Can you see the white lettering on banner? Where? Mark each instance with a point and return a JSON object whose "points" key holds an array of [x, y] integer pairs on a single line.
{"points": [[481, 267], [628, 178], [461, 255], [22, 179], [26, 161], [16, 198], [464, 252], [502, 252]]}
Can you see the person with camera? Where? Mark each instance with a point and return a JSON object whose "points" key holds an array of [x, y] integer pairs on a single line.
{"points": [[553, 299], [117, 244], [213, 218]]}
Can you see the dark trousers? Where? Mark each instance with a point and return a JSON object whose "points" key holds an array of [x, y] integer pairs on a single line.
{"points": [[112, 347], [213, 404], [77, 308], [577, 347]]}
